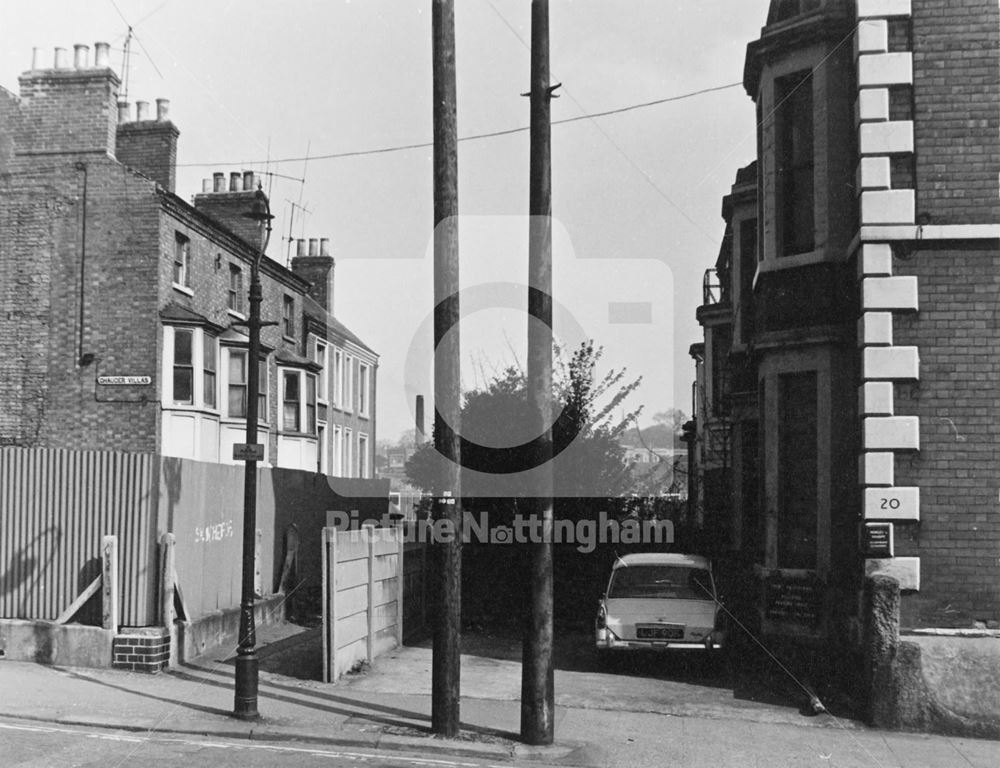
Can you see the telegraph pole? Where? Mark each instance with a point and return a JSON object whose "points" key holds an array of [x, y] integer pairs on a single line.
{"points": [[537, 688], [446, 664]]}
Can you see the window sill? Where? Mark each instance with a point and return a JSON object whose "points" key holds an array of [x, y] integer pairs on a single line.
{"points": [[183, 289], [300, 435], [187, 408], [237, 315]]}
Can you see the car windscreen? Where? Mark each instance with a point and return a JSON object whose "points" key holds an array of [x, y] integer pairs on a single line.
{"points": [[661, 581]]}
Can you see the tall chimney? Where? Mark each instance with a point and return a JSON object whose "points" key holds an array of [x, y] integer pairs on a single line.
{"points": [[141, 110], [420, 436], [36, 59], [61, 61], [123, 112], [248, 184], [80, 55], [300, 247], [219, 180], [162, 109]]}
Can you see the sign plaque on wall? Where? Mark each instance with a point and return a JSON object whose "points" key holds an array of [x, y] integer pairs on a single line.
{"points": [[125, 381], [794, 599], [876, 540]]}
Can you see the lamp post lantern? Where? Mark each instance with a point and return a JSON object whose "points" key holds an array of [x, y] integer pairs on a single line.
{"points": [[247, 663]]}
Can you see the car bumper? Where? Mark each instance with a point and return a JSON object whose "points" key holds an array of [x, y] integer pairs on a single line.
{"points": [[607, 641]]}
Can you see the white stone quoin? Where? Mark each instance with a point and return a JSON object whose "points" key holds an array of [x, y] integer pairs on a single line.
{"points": [[890, 363], [883, 8], [877, 468], [875, 69], [892, 137], [892, 503], [874, 173], [889, 293], [872, 36], [891, 433], [875, 329], [875, 398], [875, 260], [905, 570]]}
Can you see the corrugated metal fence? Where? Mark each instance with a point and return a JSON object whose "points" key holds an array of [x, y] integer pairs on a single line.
{"points": [[55, 506]]}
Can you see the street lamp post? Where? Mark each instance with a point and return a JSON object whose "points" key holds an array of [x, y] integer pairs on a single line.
{"points": [[245, 700]]}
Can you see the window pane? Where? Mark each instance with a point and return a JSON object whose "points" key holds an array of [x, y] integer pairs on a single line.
{"points": [[237, 401], [290, 405], [209, 387], [183, 379], [262, 390], [182, 347]]}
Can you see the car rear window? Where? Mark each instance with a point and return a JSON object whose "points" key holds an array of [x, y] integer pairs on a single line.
{"points": [[661, 581]]}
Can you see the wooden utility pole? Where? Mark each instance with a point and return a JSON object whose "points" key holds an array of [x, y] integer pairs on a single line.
{"points": [[537, 689], [447, 394]]}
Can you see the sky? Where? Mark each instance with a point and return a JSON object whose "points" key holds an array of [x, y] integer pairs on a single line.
{"points": [[305, 91]]}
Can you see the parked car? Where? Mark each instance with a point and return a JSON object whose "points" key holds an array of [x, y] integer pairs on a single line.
{"points": [[659, 601]]}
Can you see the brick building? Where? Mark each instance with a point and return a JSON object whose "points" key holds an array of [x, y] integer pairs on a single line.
{"points": [[122, 302], [847, 436]]}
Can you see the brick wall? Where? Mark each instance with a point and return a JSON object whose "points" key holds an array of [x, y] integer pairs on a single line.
{"points": [[50, 269], [141, 649], [957, 400], [956, 72]]}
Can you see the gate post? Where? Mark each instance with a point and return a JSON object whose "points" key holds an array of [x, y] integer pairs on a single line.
{"points": [[109, 583]]}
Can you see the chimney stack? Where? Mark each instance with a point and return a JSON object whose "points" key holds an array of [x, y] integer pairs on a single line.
{"points": [[70, 107], [226, 203], [147, 145], [316, 267]]}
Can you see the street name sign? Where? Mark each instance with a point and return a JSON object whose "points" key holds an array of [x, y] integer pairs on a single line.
{"points": [[248, 452]]}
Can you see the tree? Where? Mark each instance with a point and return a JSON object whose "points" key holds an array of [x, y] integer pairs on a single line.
{"points": [[496, 428]]}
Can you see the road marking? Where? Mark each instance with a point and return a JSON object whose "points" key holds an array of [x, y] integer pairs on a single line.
{"points": [[359, 756]]}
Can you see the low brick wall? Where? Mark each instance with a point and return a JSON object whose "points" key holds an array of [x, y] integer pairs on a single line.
{"points": [[141, 649]]}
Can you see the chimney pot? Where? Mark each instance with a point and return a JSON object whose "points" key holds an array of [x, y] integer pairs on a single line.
{"points": [[162, 109], [80, 53], [300, 247], [313, 246], [36, 58], [219, 179], [248, 181], [123, 112], [142, 110], [102, 55], [206, 186], [61, 59], [234, 181], [324, 246]]}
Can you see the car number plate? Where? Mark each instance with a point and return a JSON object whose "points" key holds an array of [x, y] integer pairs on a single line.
{"points": [[660, 632]]}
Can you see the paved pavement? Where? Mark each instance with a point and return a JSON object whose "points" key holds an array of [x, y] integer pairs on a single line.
{"points": [[387, 709]]}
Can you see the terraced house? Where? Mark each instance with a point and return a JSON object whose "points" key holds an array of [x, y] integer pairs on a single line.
{"points": [[847, 415], [123, 334]]}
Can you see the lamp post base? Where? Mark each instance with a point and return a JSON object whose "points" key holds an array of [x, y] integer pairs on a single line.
{"points": [[245, 701]]}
